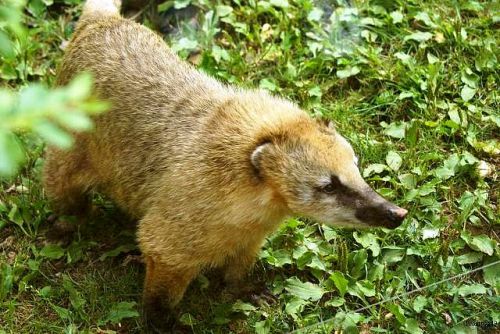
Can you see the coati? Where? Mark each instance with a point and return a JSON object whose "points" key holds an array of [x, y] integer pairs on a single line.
{"points": [[208, 169]]}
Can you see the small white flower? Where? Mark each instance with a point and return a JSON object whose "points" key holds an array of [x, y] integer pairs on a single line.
{"points": [[483, 169], [430, 233]]}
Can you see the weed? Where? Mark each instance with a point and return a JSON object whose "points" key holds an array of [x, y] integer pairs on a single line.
{"points": [[412, 84]]}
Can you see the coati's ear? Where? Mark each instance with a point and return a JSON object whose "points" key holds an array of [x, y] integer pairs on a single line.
{"points": [[326, 125], [258, 152]]}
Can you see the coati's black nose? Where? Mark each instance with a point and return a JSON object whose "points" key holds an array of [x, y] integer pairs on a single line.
{"points": [[397, 215]]}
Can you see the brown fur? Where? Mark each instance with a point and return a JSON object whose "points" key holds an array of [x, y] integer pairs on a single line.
{"points": [[175, 152]]}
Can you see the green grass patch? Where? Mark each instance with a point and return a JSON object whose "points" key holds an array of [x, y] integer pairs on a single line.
{"points": [[412, 84]]}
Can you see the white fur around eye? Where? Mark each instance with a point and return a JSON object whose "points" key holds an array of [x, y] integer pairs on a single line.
{"points": [[324, 181], [356, 160]]}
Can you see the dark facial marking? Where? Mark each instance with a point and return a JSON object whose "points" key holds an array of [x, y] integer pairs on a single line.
{"points": [[369, 207], [339, 190], [334, 186]]}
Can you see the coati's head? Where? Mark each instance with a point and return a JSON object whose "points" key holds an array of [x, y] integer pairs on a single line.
{"points": [[314, 170]]}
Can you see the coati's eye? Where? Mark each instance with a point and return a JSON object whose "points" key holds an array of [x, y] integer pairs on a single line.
{"points": [[331, 187]]}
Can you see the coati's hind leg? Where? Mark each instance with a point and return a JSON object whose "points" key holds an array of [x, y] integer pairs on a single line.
{"points": [[66, 184]]}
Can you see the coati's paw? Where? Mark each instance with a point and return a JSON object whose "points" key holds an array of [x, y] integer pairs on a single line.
{"points": [[161, 319], [264, 297], [159, 322], [158, 326], [62, 229], [256, 292]]}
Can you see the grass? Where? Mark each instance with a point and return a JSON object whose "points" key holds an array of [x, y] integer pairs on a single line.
{"points": [[412, 84]]}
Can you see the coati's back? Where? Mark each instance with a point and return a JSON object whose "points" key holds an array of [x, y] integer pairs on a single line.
{"points": [[176, 138], [158, 104]]}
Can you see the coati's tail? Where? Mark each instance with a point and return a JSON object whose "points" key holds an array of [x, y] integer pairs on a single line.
{"points": [[102, 7]]}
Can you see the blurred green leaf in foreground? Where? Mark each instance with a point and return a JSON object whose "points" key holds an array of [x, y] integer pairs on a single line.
{"points": [[52, 114]]}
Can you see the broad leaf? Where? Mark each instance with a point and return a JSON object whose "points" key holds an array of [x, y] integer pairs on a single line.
{"points": [[119, 312], [419, 36], [472, 289], [467, 93], [393, 160], [419, 303], [52, 252], [369, 241], [348, 72], [340, 282], [307, 290]]}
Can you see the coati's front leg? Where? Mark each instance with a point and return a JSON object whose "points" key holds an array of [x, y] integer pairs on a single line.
{"points": [[237, 269], [239, 266], [170, 268], [164, 287]]}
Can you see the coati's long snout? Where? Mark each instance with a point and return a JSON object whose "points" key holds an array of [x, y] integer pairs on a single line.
{"points": [[375, 211]]}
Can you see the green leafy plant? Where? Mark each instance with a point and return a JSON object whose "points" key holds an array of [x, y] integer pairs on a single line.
{"points": [[412, 84], [49, 113]]}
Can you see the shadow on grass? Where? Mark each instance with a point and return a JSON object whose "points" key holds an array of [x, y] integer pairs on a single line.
{"points": [[100, 270]]}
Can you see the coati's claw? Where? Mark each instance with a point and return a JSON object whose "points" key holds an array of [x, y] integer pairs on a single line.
{"points": [[264, 297], [256, 293]]}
